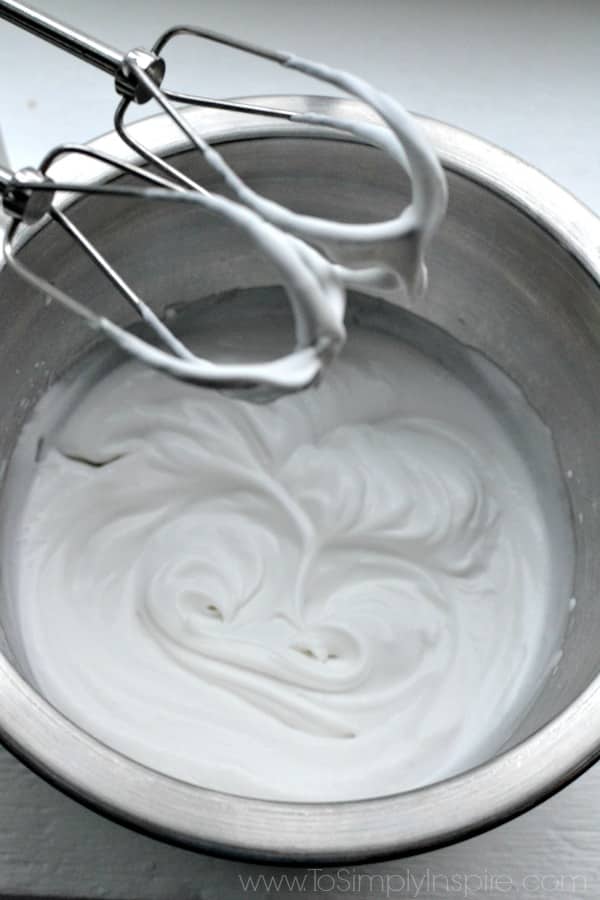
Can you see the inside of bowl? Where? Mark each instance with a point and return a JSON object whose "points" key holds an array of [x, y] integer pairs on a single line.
{"points": [[499, 283]]}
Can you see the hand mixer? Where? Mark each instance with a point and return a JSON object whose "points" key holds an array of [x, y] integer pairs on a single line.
{"points": [[316, 259]]}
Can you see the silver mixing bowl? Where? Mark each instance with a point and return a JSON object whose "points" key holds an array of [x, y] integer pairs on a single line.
{"points": [[515, 272]]}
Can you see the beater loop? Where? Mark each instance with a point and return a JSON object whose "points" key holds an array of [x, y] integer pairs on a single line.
{"points": [[317, 259]]}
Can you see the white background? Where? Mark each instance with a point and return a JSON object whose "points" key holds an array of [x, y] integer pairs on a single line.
{"points": [[524, 75]]}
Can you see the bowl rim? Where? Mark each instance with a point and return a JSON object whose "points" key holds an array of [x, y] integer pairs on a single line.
{"points": [[335, 832]]}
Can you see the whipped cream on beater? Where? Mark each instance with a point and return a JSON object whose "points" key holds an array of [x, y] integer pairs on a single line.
{"points": [[342, 594], [315, 259]]}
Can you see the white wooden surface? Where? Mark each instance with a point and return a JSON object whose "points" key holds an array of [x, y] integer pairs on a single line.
{"points": [[522, 73]]}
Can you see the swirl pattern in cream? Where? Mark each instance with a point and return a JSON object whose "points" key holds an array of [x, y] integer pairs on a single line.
{"points": [[342, 594]]}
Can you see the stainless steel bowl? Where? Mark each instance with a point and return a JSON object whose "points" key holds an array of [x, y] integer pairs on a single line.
{"points": [[514, 272]]}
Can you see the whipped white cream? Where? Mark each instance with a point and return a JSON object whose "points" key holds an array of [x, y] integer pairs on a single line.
{"points": [[340, 595]]}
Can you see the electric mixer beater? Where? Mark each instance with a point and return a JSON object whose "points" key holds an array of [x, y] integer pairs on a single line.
{"points": [[316, 259]]}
